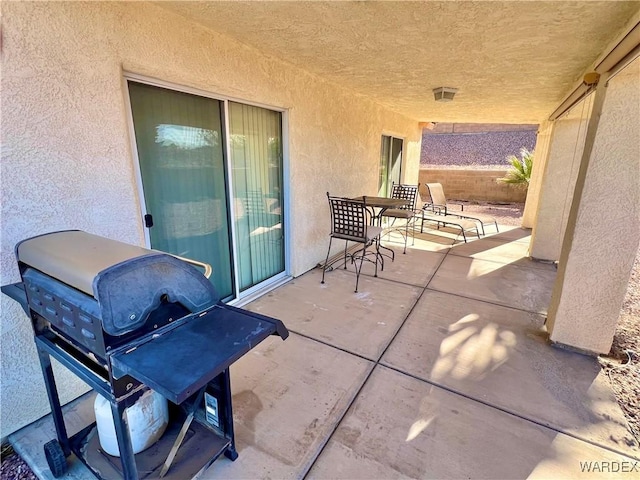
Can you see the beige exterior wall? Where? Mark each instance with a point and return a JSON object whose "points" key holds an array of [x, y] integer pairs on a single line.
{"points": [[558, 181], [66, 156], [474, 185], [541, 155], [604, 230]]}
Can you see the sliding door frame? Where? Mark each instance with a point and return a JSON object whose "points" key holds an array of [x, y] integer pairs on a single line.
{"points": [[272, 282], [392, 137]]}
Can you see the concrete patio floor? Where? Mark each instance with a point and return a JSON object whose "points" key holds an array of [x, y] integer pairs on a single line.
{"points": [[438, 368]]}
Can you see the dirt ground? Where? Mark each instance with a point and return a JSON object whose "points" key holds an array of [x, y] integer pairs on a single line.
{"points": [[622, 365]]}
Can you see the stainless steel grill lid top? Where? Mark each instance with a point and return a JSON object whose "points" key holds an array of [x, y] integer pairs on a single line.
{"points": [[75, 257], [128, 282]]}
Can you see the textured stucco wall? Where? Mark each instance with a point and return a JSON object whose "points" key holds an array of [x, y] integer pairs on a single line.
{"points": [[559, 180], [601, 246], [473, 185], [66, 159], [541, 155]]}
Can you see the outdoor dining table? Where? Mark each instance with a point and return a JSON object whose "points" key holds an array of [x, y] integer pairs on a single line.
{"points": [[382, 204]]}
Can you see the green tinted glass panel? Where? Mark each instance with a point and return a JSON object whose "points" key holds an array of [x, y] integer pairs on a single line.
{"points": [[396, 161], [390, 171], [256, 159], [179, 137], [385, 150]]}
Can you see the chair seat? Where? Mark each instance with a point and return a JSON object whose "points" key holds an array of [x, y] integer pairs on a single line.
{"points": [[370, 233], [481, 217], [373, 232], [451, 220], [398, 213]]}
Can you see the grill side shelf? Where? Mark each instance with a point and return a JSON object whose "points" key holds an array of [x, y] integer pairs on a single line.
{"points": [[16, 292], [181, 361], [280, 329]]}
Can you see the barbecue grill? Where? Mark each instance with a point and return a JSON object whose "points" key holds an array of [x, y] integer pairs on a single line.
{"points": [[125, 320]]}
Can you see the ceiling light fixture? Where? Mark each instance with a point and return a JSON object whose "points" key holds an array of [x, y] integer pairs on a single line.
{"points": [[444, 94]]}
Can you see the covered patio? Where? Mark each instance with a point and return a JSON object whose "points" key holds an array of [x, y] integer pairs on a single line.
{"points": [[442, 366], [438, 368]]}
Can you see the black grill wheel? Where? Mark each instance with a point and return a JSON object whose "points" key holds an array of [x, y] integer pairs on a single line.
{"points": [[55, 458]]}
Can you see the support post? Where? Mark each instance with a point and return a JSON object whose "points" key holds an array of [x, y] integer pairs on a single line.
{"points": [[603, 230], [565, 156]]}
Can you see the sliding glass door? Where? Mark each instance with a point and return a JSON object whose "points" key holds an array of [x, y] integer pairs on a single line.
{"points": [[256, 165], [212, 196], [390, 170]]}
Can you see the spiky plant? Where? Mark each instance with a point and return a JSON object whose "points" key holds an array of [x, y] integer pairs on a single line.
{"points": [[519, 174]]}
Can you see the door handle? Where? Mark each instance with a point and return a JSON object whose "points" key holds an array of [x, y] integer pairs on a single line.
{"points": [[207, 268], [148, 220]]}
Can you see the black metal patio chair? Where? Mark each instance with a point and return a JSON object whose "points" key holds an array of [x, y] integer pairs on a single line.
{"points": [[407, 212], [350, 222]]}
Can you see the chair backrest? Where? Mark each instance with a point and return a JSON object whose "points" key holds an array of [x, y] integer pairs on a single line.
{"points": [[405, 192], [436, 193], [348, 218]]}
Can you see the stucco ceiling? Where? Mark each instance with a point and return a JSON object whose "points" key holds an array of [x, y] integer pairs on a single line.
{"points": [[513, 62]]}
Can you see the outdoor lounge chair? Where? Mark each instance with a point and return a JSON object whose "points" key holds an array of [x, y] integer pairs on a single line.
{"points": [[407, 212], [439, 205], [463, 224], [441, 220], [350, 222]]}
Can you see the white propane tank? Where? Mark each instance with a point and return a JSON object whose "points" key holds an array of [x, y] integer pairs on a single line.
{"points": [[147, 419]]}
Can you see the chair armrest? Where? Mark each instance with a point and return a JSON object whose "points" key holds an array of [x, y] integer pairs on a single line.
{"points": [[437, 209]]}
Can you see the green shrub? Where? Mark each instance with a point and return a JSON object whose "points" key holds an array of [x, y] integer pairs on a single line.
{"points": [[519, 174]]}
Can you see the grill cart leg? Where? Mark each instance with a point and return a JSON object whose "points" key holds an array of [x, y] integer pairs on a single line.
{"points": [[127, 459], [54, 401], [230, 452]]}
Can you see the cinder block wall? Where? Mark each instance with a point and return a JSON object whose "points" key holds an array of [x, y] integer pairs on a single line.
{"points": [[472, 185]]}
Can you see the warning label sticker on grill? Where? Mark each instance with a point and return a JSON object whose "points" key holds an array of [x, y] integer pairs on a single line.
{"points": [[211, 410]]}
